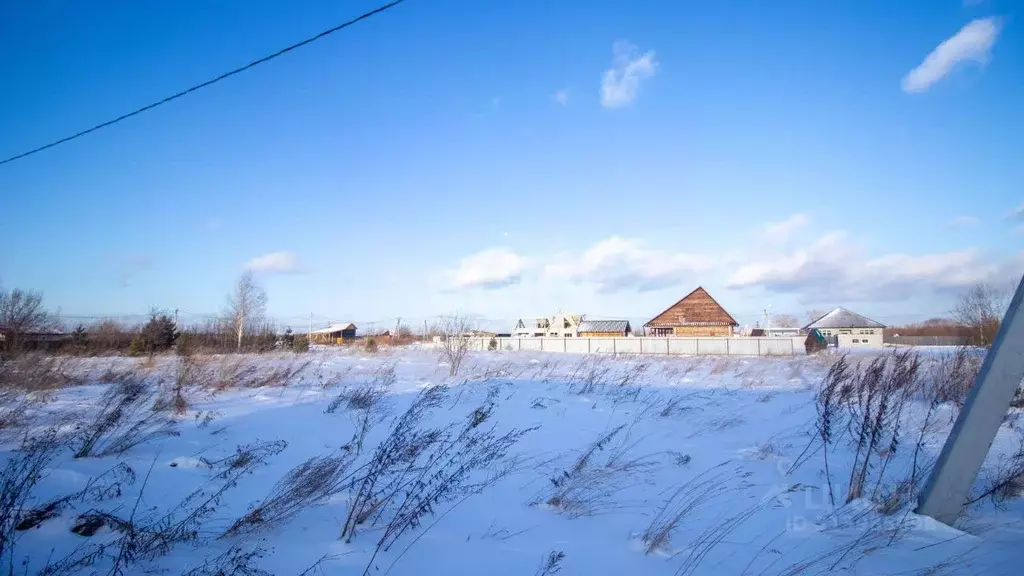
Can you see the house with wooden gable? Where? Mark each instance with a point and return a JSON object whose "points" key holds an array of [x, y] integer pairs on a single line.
{"points": [[334, 334], [697, 314]]}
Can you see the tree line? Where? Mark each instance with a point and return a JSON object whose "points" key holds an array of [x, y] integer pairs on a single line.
{"points": [[25, 325]]}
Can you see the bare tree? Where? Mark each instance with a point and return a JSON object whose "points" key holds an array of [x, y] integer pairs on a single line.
{"points": [[247, 305], [455, 341], [785, 321], [815, 313], [981, 309], [21, 313]]}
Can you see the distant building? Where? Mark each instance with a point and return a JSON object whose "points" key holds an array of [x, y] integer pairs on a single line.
{"points": [[697, 314], [604, 328], [564, 325], [334, 334], [531, 327], [849, 329]]}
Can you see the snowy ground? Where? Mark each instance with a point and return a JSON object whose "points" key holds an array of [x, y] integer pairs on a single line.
{"points": [[711, 441]]}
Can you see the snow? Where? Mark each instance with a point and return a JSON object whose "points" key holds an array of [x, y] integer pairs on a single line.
{"points": [[742, 423]]}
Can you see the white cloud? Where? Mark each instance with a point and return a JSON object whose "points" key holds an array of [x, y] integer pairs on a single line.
{"points": [[964, 222], [832, 268], [281, 262], [973, 43], [620, 83], [490, 269], [562, 96], [618, 264], [783, 230]]}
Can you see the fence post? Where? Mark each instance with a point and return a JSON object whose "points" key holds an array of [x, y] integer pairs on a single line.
{"points": [[542, 344], [668, 346], [588, 345], [641, 346], [759, 347], [615, 349]]}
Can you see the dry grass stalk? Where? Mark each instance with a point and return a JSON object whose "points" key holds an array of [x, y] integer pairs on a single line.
{"points": [[552, 563], [306, 485], [683, 501], [124, 420]]}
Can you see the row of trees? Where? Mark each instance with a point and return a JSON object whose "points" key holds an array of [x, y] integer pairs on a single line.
{"points": [[25, 323]]}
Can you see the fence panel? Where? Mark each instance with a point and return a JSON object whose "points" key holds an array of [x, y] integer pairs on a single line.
{"points": [[682, 346], [649, 345]]}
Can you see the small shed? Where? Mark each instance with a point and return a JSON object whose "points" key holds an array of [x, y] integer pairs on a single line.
{"points": [[604, 328], [334, 334]]}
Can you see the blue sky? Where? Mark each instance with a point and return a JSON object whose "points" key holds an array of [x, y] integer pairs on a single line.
{"points": [[513, 158]]}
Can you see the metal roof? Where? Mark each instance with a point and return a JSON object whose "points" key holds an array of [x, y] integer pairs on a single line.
{"points": [[334, 328], [843, 318], [604, 326]]}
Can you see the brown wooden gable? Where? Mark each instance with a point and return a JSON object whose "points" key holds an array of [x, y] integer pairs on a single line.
{"points": [[695, 309]]}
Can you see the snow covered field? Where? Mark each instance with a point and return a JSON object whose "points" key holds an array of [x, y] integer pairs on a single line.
{"points": [[525, 463]]}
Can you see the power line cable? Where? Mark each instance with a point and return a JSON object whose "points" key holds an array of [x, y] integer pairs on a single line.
{"points": [[223, 76]]}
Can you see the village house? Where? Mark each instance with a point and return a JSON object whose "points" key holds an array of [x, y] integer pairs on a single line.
{"points": [[334, 334], [849, 329], [697, 314], [564, 325], [531, 328], [604, 328]]}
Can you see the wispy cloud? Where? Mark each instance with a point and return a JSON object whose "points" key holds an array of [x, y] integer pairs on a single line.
{"points": [[562, 97], [832, 266], [619, 264], [964, 222], [630, 67], [783, 230], [973, 43], [488, 270], [281, 262], [1017, 213]]}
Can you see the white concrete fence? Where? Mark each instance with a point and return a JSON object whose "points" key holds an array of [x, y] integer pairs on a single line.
{"points": [[650, 345]]}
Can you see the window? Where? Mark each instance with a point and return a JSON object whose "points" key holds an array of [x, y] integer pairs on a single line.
{"points": [[566, 324], [855, 341]]}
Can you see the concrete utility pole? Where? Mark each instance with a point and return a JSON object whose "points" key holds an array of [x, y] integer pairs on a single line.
{"points": [[976, 427]]}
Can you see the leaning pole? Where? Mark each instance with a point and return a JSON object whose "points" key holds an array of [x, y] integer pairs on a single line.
{"points": [[987, 403]]}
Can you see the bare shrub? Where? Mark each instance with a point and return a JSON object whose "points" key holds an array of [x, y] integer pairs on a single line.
{"points": [[881, 393], [586, 487], [1007, 482], [147, 534], [237, 560], [38, 372], [306, 485], [590, 374], [245, 457], [21, 314], [300, 345], [552, 563], [368, 395], [455, 342], [18, 479], [950, 376], [683, 502], [414, 471], [125, 419]]}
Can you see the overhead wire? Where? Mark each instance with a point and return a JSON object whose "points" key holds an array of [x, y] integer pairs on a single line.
{"points": [[205, 84]]}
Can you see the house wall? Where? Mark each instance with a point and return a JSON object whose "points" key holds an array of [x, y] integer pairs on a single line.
{"points": [[873, 340], [696, 331]]}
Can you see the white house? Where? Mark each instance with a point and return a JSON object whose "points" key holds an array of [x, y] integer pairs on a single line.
{"points": [[850, 329], [565, 325], [531, 327]]}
